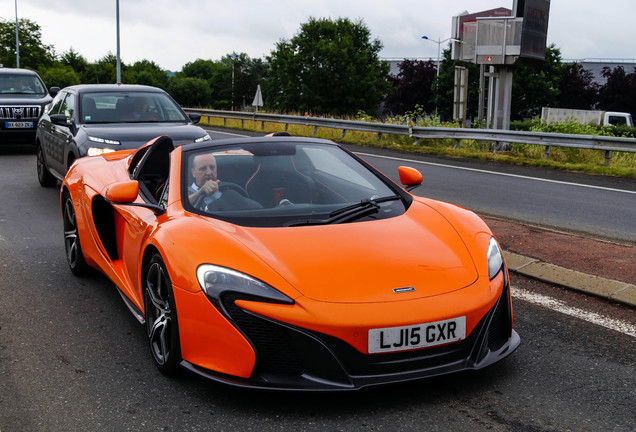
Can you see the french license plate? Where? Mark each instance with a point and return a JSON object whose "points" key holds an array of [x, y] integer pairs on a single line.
{"points": [[18, 125], [417, 336]]}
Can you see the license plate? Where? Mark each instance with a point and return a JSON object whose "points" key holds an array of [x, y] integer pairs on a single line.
{"points": [[19, 125], [417, 336]]}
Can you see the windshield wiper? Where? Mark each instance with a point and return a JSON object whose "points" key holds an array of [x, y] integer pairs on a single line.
{"points": [[350, 213]]}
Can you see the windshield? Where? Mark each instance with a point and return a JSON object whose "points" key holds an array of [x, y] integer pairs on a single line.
{"points": [[286, 183], [129, 107], [12, 84]]}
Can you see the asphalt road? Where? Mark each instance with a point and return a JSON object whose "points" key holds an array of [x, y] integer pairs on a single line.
{"points": [[72, 358], [597, 205]]}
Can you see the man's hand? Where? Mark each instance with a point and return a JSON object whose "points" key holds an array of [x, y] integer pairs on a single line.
{"points": [[208, 188]]}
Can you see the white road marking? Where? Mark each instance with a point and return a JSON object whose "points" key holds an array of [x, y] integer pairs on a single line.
{"points": [[559, 306], [498, 173], [229, 133]]}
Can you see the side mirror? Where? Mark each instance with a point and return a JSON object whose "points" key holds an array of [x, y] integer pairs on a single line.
{"points": [[123, 193], [196, 118], [60, 120], [53, 91], [410, 177]]}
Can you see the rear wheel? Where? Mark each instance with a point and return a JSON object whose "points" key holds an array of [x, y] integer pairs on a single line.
{"points": [[74, 255], [44, 176], [161, 317]]}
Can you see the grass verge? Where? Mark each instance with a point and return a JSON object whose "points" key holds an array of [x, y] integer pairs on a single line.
{"points": [[569, 159]]}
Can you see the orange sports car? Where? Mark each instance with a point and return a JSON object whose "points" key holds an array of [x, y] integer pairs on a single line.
{"points": [[288, 263]]}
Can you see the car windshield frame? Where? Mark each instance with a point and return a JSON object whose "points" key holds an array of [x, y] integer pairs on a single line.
{"points": [[129, 106], [12, 84], [321, 183]]}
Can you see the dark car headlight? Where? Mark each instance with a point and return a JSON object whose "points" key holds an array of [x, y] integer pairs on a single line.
{"points": [[205, 137], [495, 258], [103, 140], [215, 281]]}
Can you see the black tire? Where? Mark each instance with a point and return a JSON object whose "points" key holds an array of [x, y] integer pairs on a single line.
{"points": [[74, 255], [44, 176], [161, 317]]}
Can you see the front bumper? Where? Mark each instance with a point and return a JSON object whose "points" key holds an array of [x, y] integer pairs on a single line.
{"points": [[292, 358], [17, 136]]}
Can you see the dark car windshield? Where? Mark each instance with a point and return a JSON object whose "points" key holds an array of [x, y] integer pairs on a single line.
{"points": [[129, 107], [287, 183], [12, 84]]}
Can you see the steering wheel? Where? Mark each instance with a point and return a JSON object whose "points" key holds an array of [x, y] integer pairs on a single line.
{"points": [[232, 186]]}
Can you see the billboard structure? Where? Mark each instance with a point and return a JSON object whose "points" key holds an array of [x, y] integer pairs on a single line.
{"points": [[498, 40]]}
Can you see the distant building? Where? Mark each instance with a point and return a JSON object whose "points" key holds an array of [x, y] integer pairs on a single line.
{"points": [[596, 66], [394, 63], [593, 65]]}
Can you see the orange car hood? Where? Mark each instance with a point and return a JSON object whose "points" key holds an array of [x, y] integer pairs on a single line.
{"points": [[367, 261]]}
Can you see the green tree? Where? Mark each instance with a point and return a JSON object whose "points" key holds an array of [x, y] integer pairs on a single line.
{"points": [[328, 67], [60, 75], [536, 85], [213, 73], [619, 91], [145, 72], [104, 71], [444, 87], [189, 92], [33, 53], [75, 60], [248, 73], [413, 86], [577, 88], [238, 92]]}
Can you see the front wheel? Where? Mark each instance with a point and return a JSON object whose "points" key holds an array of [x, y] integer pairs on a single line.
{"points": [[161, 317], [74, 255], [44, 176]]}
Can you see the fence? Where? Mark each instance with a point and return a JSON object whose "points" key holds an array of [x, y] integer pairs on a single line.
{"points": [[499, 137]]}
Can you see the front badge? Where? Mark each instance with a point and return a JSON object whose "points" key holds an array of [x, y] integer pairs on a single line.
{"points": [[403, 290]]}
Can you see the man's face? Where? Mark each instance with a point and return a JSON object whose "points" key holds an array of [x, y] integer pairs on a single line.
{"points": [[204, 169]]}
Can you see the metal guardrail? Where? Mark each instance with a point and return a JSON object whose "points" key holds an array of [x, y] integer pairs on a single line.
{"points": [[499, 137]]}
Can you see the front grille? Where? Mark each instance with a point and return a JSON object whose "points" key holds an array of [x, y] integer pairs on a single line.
{"points": [[282, 349], [19, 112]]}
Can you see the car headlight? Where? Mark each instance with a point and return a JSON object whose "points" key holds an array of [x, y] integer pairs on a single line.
{"points": [[203, 138], [95, 151], [103, 140], [215, 281], [495, 258]]}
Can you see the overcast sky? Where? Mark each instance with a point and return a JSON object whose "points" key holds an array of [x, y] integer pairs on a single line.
{"points": [[172, 33]]}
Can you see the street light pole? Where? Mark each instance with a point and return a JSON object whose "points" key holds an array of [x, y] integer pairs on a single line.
{"points": [[439, 48], [232, 57], [118, 53], [17, 40]]}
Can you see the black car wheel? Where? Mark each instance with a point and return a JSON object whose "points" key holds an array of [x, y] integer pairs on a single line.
{"points": [[161, 317], [74, 254], [44, 176]]}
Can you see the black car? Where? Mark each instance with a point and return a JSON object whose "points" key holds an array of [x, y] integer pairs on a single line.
{"points": [[91, 119], [23, 97]]}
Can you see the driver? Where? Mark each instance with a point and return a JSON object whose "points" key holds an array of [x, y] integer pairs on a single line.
{"points": [[140, 111], [205, 188]]}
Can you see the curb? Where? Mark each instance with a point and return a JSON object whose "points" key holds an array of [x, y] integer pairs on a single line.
{"points": [[621, 292]]}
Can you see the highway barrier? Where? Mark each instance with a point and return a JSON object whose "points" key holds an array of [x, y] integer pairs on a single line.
{"points": [[499, 137]]}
